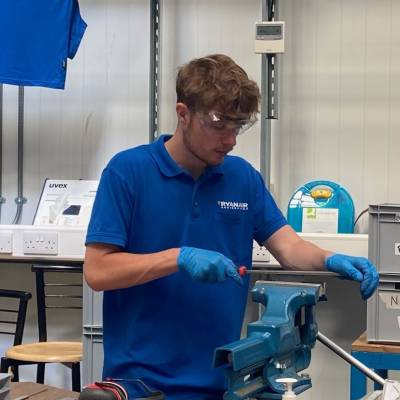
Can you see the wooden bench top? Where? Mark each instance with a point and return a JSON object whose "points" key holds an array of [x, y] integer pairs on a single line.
{"points": [[40, 392], [361, 344]]}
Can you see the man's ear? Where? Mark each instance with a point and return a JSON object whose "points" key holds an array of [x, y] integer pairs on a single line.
{"points": [[183, 113]]}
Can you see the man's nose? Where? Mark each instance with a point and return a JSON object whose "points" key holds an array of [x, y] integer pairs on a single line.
{"points": [[229, 137]]}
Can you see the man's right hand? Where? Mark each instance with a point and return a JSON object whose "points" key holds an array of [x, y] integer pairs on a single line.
{"points": [[206, 265]]}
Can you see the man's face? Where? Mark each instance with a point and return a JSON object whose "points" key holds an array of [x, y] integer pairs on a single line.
{"points": [[209, 137]]}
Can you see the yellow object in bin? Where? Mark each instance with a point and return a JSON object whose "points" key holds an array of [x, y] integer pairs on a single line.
{"points": [[321, 194]]}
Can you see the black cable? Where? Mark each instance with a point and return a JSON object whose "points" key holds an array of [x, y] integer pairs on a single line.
{"points": [[359, 216]]}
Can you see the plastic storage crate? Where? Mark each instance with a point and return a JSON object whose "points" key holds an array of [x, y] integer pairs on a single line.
{"points": [[92, 363], [383, 311], [92, 368], [384, 237], [92, 307]]}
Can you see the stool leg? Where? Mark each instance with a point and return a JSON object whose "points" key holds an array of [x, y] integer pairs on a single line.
{"points": [[4, 365], [40, 373], [358, 384], [15, 372], [76, 376], [384, 374]]}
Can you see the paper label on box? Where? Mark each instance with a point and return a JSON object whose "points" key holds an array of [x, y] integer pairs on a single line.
{"points": [[391, 299], [320, 220]]}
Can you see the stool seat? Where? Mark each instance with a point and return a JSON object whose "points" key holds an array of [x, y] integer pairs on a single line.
{"points": [[52, 294], [57, 352], [361, 344]]}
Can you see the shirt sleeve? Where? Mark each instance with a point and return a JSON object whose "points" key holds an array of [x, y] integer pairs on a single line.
{"points": [[111, 217], [77, 30], [268, 218]]}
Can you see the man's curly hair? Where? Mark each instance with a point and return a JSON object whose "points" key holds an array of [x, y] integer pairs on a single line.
{"points": [[216, 82]]}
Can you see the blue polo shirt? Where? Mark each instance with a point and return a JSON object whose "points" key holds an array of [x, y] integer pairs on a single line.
{"points": [[36, 38], [165, 331]]}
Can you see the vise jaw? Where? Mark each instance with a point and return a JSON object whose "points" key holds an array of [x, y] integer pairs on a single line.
{"points": [[278, 345]]}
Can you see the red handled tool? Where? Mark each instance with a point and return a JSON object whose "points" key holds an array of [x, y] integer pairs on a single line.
{"points": [[244, 271]]}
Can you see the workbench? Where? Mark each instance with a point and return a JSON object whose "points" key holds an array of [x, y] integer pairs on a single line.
{"points": [[37, 391]]}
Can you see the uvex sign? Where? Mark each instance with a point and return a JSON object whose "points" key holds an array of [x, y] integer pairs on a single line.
{"points": [[58, 185]]}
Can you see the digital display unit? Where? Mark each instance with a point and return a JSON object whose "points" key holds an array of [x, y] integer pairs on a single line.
{"points": [[269, 37], [269, 30]]}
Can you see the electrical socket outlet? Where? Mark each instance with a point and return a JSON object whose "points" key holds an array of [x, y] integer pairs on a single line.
{"points": [[6, 242], [36, 242], [260, 253]]}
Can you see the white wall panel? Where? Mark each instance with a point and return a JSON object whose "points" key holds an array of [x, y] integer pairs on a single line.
{"points": [[339, 120], [339, 99], [352, 86]]}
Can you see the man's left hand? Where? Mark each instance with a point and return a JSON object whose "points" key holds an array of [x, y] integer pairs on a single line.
{"points": [[355, 268]]}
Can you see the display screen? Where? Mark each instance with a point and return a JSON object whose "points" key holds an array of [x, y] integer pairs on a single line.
{"points": [[269, 30]]}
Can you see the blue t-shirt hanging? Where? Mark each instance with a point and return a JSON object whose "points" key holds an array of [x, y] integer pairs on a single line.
{"points": [[36, 38]]}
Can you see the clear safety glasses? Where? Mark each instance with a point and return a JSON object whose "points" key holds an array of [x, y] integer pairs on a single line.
{"points": [[218, 123]]}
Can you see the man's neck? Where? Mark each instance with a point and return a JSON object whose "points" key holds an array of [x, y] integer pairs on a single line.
{"points": [[183, 156]]}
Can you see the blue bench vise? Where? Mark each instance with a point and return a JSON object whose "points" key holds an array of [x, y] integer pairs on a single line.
{"points": [[278, 345]]}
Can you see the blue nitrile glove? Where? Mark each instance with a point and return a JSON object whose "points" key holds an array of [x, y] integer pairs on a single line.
{"points": [[356, 268], [206, 265]]}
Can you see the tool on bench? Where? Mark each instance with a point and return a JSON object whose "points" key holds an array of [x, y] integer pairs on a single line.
{"points": [[244, 271], [115, 389]]}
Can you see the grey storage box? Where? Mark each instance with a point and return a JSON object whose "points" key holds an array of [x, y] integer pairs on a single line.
{"points": [[92, 355], [384, 237], [92, 363], [383, 311], [92, 307]]}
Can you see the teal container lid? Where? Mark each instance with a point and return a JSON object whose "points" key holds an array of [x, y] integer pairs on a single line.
{"points": [[321, 207]]}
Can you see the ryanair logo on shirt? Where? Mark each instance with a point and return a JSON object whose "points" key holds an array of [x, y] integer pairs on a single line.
{"points": [[233, 205]]}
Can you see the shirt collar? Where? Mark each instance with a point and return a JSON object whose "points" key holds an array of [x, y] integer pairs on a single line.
{"points": [[168, 165]]}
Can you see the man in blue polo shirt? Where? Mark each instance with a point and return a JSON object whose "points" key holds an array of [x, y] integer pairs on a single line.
{"points": [[171, 223]]}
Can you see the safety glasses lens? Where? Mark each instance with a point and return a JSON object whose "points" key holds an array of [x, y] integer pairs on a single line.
{"points": [[217, 122]]}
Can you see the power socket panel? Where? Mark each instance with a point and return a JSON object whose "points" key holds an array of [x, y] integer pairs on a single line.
{"points": [[6, 242], [260, 253], [36, 242]]}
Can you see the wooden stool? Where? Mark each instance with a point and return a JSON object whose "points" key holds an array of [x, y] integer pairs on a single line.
{"points": [[377, 356]]}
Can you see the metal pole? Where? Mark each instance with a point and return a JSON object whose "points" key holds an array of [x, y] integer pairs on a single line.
{"points": [[2, 199], [20, 200], [154, 69], [269, 91], [265, 133], [271, 271], [350, 359]]}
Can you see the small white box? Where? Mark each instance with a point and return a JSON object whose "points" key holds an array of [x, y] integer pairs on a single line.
{"points": [[270, 37]]}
